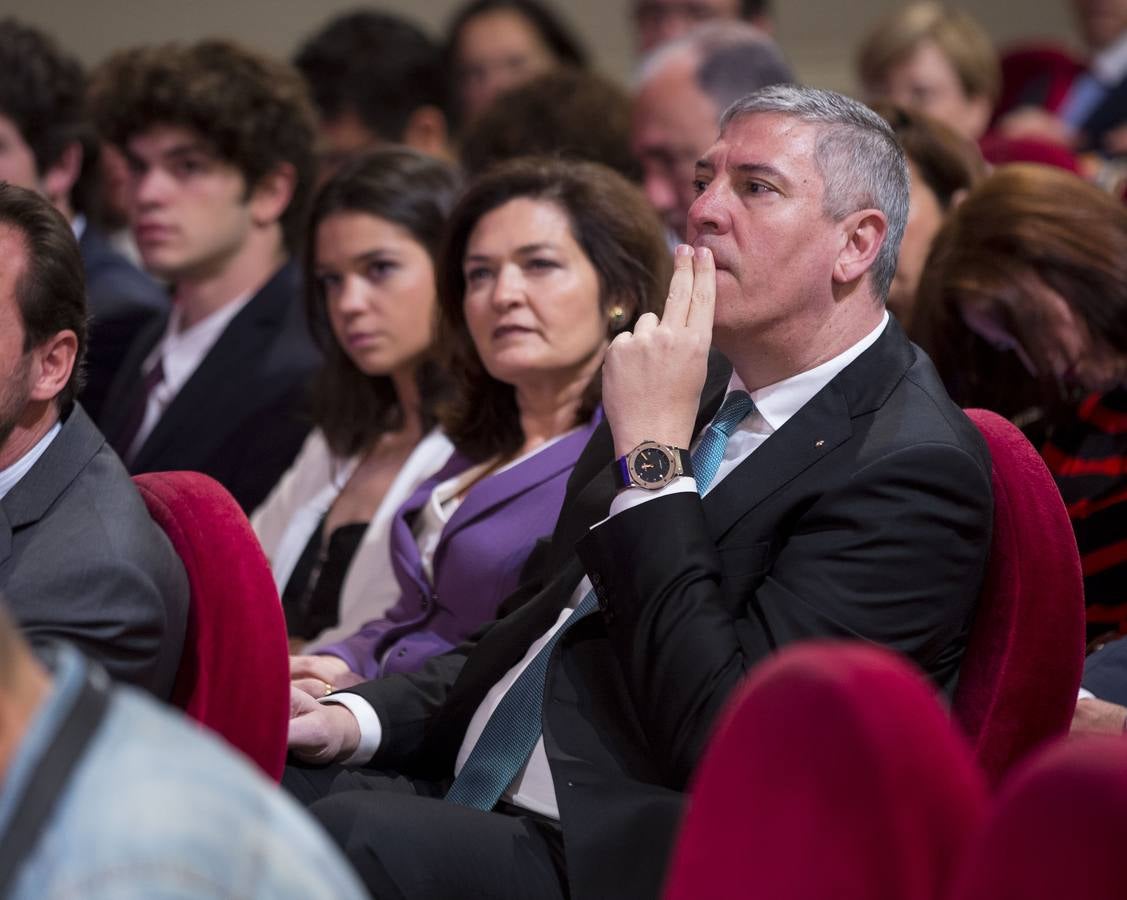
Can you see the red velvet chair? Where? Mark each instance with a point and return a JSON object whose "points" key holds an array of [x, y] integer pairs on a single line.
{"points": [[834, 772], [1018, 683], [1057, 831], [1039, 74], [234, 675]]}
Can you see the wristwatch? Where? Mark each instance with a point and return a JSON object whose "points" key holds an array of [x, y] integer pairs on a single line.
{"points": [[651, 465]]}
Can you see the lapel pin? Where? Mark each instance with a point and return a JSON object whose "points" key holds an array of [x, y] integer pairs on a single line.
{"points": [[818, 443]]}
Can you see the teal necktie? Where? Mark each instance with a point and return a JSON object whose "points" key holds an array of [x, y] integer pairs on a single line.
{"points": [[508, 738]]}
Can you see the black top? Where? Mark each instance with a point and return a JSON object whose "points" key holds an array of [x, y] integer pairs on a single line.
{"points": [[311, 600]]}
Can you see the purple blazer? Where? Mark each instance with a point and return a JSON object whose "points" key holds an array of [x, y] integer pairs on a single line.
{"points": [[477, 563]]}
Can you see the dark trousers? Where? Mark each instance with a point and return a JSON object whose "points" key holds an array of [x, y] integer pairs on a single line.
{"points": [[406, 842]]}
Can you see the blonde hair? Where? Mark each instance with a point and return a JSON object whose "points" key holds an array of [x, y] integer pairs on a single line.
{"points": [[957, 34]]}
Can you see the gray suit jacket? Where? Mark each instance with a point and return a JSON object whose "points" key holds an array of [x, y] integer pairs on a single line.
{"points": [[81, 561]]}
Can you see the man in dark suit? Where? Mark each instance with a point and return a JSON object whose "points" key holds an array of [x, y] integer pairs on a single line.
{"points": [[219, 141], [844, 495], [48, 147], [80, 559]]}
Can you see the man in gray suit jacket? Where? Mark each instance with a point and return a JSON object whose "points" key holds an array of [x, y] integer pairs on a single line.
{"points": [[80, 559]]}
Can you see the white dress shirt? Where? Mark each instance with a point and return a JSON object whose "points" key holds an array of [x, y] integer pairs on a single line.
{"points": [[10, 476], [180, 352], [533, 788]]}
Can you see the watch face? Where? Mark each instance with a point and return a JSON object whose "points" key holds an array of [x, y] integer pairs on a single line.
{"points": [[652, 465]]}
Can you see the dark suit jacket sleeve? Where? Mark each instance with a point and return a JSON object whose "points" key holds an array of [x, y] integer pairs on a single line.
{"points": [[407, 705], [885, 556], [1105, 672]]}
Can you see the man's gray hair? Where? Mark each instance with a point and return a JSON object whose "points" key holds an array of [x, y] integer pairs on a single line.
{"points": [[860, 160], [732, 59]]}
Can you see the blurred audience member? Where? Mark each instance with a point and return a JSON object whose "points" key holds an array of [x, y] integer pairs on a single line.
{"points": [[47, 145], [80, 559], [375, 79], [1079, 104], [942, 166], [683, 88], [658, 21], [220, 148], [104, 793], [566, 113], [934, 59], [1033, 266], [370, 298], [545, 262], [493, 45]]}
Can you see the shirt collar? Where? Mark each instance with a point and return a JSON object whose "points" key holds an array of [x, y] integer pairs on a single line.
{"points": [[1110, 64], [181, 350], [11, 476], [779, 401]]}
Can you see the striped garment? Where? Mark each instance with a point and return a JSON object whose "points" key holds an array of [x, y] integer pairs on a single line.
{"points": [[1088, 458]]}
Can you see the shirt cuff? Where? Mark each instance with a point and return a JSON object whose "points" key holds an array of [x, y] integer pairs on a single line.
{"points": [[630, 497], [1085, 694], [371, 731]]}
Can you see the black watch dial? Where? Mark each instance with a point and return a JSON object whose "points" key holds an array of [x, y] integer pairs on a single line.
{"points": [[652, 465]]}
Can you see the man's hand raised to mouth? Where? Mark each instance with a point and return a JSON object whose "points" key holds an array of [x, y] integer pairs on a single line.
{"points": [[653, 376]]}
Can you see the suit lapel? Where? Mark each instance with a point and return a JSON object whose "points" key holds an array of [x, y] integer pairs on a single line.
{"points": [[73, 447], [502, 487], [192, 412], [405, 558], [816, 429], [813, 432]]}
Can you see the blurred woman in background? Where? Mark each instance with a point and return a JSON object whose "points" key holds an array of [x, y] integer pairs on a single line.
{"points": [[1023, 307], [493, 45]]}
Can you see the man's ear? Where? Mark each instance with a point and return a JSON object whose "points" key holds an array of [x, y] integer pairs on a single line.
{"points": [[864, 232], [53, 361], [272, 194], [61, 176], [427, 131]]}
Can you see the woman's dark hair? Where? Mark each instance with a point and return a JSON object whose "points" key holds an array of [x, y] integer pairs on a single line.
{"points": [[414, 192], [557, 37], [1023, 227], [566, 113], [619, 233]]}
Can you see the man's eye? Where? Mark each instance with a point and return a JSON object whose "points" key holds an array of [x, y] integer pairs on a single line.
{"points": [[699, 186], [185, 167]]}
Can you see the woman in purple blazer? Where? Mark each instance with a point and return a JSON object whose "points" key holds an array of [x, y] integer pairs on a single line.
{"points": [[545, 261]]}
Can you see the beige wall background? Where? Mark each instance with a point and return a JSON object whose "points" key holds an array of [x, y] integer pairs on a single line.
{"points": [[818, 36]]}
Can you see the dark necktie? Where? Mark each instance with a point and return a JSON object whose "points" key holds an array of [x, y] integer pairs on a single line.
{"points": [[511, 733], [136, 419]]}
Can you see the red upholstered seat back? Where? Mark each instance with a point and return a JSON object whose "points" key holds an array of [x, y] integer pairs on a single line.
{"points": [[1018, 682], [1057, 830], [1038, 73], [234, 674], [834, 772]]}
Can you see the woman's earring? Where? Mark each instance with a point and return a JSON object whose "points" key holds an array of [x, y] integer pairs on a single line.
{"points": [[617, 318]]}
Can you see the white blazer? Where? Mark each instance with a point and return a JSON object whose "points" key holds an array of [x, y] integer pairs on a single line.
{"points": [[287, 518]]}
